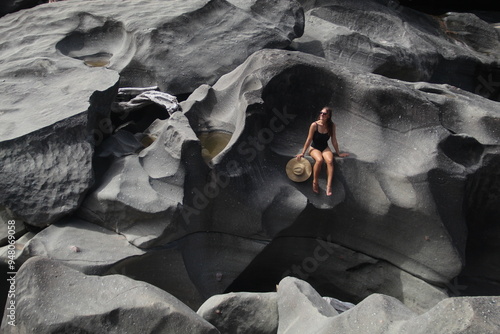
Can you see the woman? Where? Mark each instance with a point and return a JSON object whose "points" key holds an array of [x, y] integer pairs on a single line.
{"points": [[320, 132]]}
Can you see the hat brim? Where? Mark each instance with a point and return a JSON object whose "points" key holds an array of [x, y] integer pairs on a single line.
{"points": [[306, 166]]}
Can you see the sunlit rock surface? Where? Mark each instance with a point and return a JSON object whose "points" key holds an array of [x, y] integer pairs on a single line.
{"points": [[197, 203], [54, 298], [242, 312], [389, 39], [141, 194], [388, 200], [83, 246], [54, 72], [161, 43], [297, 307]]}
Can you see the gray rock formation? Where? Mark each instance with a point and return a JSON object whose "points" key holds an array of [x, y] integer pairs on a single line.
{"points": [[472, 314], [48, 120], [300, 306], [195, 267], [300, 309], [243, 312], [386, 38], [72, 70], [86, 247], [392, 184], [335, 270], [386, 315], [46, 139], [174, 50], [197, 203], [51, 297], [141, 194]]}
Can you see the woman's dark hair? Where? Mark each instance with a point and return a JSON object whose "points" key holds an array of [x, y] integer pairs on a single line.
{"points": [[329, 123]]}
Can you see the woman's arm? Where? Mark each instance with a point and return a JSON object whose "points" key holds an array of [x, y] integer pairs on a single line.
{"points": [[335, 143], [309, 139]]}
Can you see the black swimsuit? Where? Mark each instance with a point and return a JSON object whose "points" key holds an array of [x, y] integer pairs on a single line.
{"points": [[320, 140]]}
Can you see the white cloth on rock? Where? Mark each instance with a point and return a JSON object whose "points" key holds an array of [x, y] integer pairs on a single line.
{"points": [[132, 98]]}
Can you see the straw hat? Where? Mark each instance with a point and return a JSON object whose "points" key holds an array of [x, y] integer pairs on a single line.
{"points": [[298, 171]]}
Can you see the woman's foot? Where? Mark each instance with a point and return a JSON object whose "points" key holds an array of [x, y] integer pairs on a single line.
{"points": [[329, 191], [315, 187]]}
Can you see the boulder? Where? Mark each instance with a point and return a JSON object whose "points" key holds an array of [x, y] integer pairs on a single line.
{"points": [[389, 39], [153, 43], [196, 55], [86, 247], [301, 309], [49, 110], [51, 297], [46, 151], [473, 147], [243, 312], [386, 315], [377, 313], [141, 194], [465, 315]]}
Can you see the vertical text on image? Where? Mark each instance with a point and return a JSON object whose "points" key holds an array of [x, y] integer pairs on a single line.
{"points": [[10, 308]]}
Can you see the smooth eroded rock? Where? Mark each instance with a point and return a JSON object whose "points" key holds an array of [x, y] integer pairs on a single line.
{"points": [[301, 309], [86, 247], [141, 194], [389, 39], [51, 297], [251, 313]]}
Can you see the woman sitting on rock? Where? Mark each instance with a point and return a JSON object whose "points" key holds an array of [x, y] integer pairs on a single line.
{"points": [[320, 132]]}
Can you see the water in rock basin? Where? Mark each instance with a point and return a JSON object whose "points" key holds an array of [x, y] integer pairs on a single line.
{"points": [[213, 143], [101, 59]]}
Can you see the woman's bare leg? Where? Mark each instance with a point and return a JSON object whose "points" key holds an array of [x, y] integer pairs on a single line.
{"points": [[318, 158], [328, 158]]}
